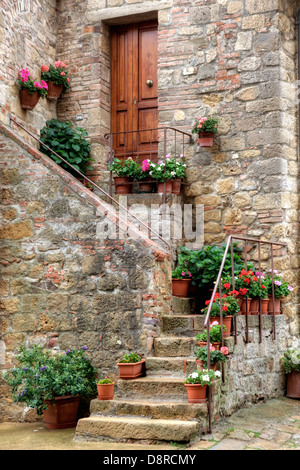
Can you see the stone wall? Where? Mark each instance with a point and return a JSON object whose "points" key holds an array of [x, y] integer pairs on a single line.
{"points": [[62, 286], [28, 39]]}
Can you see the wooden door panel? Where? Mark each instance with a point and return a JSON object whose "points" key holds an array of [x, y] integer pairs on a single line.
{"points": [[147, 64]]}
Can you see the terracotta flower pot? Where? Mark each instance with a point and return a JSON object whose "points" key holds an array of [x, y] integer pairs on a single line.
{"points": [[277, 306], [169, 187], [54, 91], [254, 307], [199, 363], [206, 139], [145, 187], [264, 306], [62, 414], [226, 323], [293, 384], [243, 306], [105, 391], [176, 186], [196, 393], [180, 287], [202, 344], [129, 371], [29, 101], [122, 185]]}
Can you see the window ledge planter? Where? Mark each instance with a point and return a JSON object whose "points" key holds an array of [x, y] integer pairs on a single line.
{"points": [[131, 370], [169, 186], [123, 184], [62, 413]]}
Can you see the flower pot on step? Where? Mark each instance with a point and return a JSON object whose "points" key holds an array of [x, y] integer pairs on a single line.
{"points": [[254, 307], [180, 287], [196, 393], [29, 100], [169, 187], [264, 306], [122, 185], [105, 391], [176, 186], [205, 139], [293, 384], [226, 323], [277, 306], [54, 91], [244, 306], [62, 414], [200, 364], [131, 370]]}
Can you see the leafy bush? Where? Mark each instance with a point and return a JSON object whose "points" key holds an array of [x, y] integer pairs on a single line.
{"points": [[216, 355], [41, 376], [215, 335], [291, 360], [130, 358], [69, 142], [126, 167]]}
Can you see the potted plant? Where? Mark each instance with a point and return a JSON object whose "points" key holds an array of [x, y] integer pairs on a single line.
{"points": [[206, 127], [126, 171], [105, 388], [230, 308], [197, 382], [216, 356], [164, 172], [215, 335], [53, 384], [57, 79], [291, 365], [30, 89], [258, 293], [180, 282], [69, 142], [131, 366], [144, 178], [281, 289]]}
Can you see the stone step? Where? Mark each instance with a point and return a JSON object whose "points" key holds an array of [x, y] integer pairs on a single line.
{"points": [[173, 346], [124, 428], [183, 305], [170, 366], [181, 410], [183, 325]]}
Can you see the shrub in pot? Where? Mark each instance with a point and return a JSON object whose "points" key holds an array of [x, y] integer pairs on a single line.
{"points": [[291, 366], [180, 282], [197, 382], [53, 383], [30, 89], [125, 172], [105, 388], [131, 366], [56, 76], [69, 142], [216, 356]]}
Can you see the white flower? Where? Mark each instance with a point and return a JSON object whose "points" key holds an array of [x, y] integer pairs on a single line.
{"points": [[194, 375], [218, 373], [205, 378]]}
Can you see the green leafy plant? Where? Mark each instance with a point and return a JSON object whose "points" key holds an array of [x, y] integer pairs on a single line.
{"points": [[42, 376], [281, 288], [206, 124], [181, 273], [291, 360], [130, 358], [230, 306], [58, 74], [215, 334], [216, 355], [104, 381], [69, 142], [168, 169], [27, 82], [127, 167], [202, 377]]}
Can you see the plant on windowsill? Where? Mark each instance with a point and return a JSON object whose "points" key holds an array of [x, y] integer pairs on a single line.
{"points": [[144, 178], [125, 172], [30, 89], [57, 79], [291, 366], [53, 383], [131, 366], [206, 127], [181, 279], [216, 356], [105, 388], [70, 143], [197, 382]]}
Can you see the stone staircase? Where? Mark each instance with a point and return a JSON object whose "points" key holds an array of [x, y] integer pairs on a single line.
{"points": [[155, 407]]}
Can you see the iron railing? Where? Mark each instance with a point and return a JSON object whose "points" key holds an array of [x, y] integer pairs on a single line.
{"points": [[86, 178], [218, 286], [163, 140]]}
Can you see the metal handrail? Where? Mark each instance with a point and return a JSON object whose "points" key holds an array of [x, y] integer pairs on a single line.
{"points": [[218, 284], [94, 184]]}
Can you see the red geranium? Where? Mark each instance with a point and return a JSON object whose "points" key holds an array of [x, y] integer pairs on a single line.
{"points": [[227, 285]]}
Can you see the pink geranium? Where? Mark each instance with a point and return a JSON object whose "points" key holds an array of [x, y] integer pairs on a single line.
{"points": [[224, 350], [45, 68], [145, 165]]}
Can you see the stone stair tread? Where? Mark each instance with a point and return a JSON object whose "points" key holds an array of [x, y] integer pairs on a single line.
{"points": [[101, 427]]}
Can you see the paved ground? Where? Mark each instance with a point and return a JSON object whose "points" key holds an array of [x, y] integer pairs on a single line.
{"points": [[274, 425]]}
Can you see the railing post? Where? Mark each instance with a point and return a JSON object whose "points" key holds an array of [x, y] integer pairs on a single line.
{"points": [[273, 293], [247, 326], [259, 273], [233, 287]]}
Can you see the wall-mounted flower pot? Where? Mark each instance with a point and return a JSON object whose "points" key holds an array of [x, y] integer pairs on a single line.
{"points": [[176, 186], [122, 185], [29, 100], [62, 414], [206, 139], [54, 91], [105, 391], [131, 370], [169, 187], [180, 287], [196, 393]]}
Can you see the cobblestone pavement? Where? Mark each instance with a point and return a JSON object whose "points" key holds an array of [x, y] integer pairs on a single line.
{"points": [[274, 425]]}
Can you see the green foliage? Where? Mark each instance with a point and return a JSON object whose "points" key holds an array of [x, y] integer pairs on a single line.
{"points": [[41, 376], [130, 358], [127, 167], [215, 335], [215, 355], [181, 273], [230, 306], [202, 377], [168, 170], [104, 381], [281, 287], [204, 264], [206, 124], [58, 75], [69, 142], [291, 360]]}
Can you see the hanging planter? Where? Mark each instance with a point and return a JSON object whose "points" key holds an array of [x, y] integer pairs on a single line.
{"points": [[54, 91], [205, 139], [29, 100], [30, 89], [206, 127], [57, 79]]}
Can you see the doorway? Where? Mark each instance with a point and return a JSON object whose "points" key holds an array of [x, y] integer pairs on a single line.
{"points": [[134, 91]]}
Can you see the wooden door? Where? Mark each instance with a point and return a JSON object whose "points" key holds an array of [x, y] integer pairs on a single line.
{"points": [[134, 106]]}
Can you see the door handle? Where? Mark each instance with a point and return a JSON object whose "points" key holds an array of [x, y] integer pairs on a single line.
{"points": [[149, 83]]}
